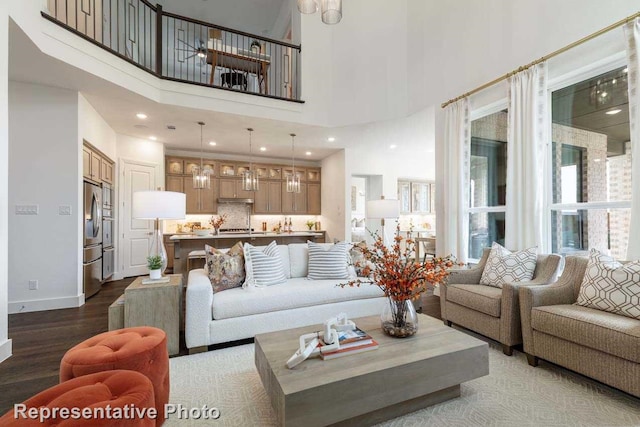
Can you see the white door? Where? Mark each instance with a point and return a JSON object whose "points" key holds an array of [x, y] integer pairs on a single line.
{"points": [[136, 233]]}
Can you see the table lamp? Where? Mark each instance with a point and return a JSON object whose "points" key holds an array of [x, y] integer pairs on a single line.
{"points": [[157, 205], [383, 209]]}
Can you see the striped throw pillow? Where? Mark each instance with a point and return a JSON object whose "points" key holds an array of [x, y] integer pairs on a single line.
{"points": [[328, 264], [263, 267]]}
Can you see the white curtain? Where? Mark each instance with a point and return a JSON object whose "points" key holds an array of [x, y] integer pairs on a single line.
{"points": [[457, 142], [632, 36], [526, 143]]}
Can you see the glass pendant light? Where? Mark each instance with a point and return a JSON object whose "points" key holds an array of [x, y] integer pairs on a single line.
{"points": [[250, 177], [331, 11], [201, 176], [293, 180], [307, 6]]}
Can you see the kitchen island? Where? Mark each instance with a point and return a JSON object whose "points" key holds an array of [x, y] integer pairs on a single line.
{"points": [[185, 243]]}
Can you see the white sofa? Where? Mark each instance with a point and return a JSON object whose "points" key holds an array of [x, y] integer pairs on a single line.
{"points": [[234, 314]]}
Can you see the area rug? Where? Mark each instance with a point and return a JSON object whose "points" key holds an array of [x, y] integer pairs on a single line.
{"points": [[513, 394]]}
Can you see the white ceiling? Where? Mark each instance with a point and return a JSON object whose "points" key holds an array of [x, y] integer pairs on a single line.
{"points": [[119, 106], [252, 16]]}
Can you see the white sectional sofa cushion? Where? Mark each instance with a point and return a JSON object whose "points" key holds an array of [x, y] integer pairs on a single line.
{"points": [[295, 293]]}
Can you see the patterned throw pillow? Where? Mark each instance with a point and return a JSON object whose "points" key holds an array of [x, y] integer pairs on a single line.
{"points": [[225, 270], [263, 267], [506, 267], [610, 286], [331, 263]]}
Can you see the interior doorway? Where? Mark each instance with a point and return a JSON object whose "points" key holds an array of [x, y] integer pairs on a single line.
{"points": [[363, 189]]}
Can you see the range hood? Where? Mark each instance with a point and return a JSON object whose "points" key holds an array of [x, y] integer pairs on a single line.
{"points": [[234, 200]]}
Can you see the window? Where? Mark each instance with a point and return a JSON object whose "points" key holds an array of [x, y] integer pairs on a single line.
{"points": [[488, 182], [591, 166]]}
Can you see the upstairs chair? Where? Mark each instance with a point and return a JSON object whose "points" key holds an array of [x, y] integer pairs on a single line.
{"points": [[596, 343], [488, 310]]}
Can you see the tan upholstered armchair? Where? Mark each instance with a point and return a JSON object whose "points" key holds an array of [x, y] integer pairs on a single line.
{"points": [[601, 345], [491, 311]]}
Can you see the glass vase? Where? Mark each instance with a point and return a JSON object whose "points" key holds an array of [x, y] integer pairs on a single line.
{"points": [[399, 318]]}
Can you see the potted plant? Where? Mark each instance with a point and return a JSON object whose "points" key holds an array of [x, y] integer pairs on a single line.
{"points": [[402, 279], [154, 263], [310, 224], [255, 46]]}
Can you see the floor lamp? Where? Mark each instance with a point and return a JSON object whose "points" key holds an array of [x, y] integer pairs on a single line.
{"points": [[157, 205], [383, 209]]}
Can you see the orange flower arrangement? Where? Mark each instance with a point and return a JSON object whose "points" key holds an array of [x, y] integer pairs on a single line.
{"points": [[400, 277], [217, 222], [393, 270]]}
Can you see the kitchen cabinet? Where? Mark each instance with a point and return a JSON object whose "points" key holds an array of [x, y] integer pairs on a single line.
{"points": [[294, 203], [313, 199], [174, 166], [268, 199], [168, 244], [86, 162], [226, 183], [232, 189], [106, 171], [404, 196], [200, 200], [96, 162]]}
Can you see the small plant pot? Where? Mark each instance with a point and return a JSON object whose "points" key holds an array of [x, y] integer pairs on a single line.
{"points": [[155, 274]]}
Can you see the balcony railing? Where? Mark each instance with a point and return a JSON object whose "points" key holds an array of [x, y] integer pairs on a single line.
{"points": [[182, 49]]}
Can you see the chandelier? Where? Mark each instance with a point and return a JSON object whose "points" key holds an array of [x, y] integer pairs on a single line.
{"points": [[293, 180], [201, 176], [330, 10], [250, 177]]}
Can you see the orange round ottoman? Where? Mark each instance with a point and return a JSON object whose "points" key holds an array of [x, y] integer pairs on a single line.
{"points": [[142, 349], [112, 398]]}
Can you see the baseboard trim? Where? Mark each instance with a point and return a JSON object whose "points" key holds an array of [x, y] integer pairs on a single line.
{"points": [[45, 304], [5, 350]]}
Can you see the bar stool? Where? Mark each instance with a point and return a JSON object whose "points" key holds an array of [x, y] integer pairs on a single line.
{"points": [[193, 255]]}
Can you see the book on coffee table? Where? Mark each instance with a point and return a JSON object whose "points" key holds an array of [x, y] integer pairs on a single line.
{"points": [[353, 335], [349, 350]]}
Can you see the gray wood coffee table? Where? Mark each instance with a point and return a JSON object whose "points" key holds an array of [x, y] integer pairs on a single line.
{"points": [[401, 376]]}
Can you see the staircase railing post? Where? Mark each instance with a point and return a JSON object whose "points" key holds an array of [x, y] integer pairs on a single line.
{"points": [[159, 39]]}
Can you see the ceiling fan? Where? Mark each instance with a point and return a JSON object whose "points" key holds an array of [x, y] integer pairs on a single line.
{"points": [[199, 50]]}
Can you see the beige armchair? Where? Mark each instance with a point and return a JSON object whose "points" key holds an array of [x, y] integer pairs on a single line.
{"points": [[601, 345], [491, 311]]}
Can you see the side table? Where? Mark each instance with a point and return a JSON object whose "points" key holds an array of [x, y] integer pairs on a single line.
{"points": [[158, 305]]}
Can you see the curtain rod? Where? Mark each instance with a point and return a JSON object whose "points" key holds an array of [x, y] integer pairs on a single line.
{"points": [[544, 58]]}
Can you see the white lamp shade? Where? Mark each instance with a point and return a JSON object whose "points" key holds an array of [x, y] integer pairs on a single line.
{"points": [[159, 205], [383, 208]]}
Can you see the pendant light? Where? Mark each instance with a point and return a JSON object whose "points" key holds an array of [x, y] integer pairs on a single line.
{"points": [[293, 180], [331, 11], [250, 177], [307, 6], [201, 176]]}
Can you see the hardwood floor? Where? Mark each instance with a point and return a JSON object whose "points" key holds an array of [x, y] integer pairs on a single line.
{"points": [[40, 340]]}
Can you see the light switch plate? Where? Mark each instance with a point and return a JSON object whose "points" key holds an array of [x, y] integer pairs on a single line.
{"points": [[27, 209], [64, 210], [33, 285]]}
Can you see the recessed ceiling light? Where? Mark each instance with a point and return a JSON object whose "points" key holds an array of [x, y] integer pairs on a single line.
{"points": [[263, 148], [625, 70], [213, 143], [153, 138], [308, 153], [141, 116], [612, 112], [392, 146], [597, 160], [331, 139]]}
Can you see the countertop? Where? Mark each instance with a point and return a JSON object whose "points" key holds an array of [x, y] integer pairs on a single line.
{"points": [[245, 235]]}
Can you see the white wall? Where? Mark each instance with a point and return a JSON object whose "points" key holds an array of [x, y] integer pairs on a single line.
{"points": [[94, 129], [143, 150], [5, 343], [44, 166], [335, 183]]}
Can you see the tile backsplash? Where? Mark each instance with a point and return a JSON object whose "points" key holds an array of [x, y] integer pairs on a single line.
{"points": [[238, 219]]}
